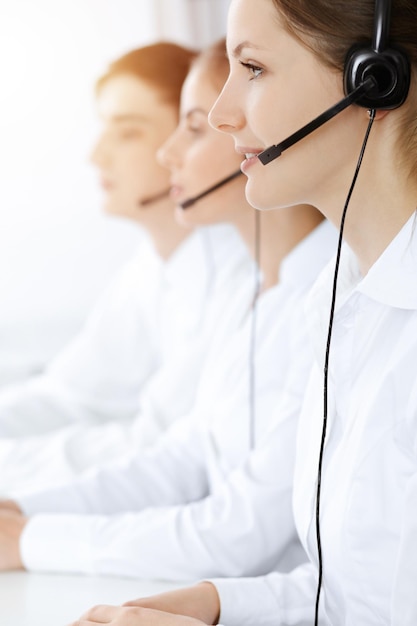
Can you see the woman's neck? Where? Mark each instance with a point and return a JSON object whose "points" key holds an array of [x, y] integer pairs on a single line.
{"points": [[167, 243], [280, 231], [379, 208], [163, 229], [383, 199]]}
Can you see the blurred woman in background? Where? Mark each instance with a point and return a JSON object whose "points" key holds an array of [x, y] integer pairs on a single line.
{"points": [[214, 495], [141, 350], [355, 486]]}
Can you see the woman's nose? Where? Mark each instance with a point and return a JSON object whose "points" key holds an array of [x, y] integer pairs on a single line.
{"points": [[168, 155], [96, 153], [226, 114]]}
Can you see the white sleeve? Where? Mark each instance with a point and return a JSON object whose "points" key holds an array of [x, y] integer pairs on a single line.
{"points": [[35, 407], [244, 527], [42, 461], [97, 376], [39, 462], [169, 473], [273, 600]]}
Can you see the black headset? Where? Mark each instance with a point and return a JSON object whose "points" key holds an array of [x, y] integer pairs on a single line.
{"points": [[388, 66], [376, 77]]}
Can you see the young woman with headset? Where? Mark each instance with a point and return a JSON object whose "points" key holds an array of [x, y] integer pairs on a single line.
{"points": [[134, 366], [205, 500], [355, 490]]}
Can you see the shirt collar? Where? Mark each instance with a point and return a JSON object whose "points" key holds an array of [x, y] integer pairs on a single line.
{"points": [[392, 280], [195, 265], [304, 263], [187, 258]]}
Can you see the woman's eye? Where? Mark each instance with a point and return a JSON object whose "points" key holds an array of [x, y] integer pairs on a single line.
{"points": [[194, 129], [129, 133], [254, 70]]}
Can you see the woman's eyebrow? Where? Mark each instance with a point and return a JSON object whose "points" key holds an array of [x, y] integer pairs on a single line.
{"points": [[129, 117], [237, 51], [193, 111], [196, 110]]}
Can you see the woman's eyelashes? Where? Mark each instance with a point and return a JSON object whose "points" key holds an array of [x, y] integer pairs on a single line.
{"points": [[194, 129], [254, 70], [130, 133], [123, 133], [195, 125]]}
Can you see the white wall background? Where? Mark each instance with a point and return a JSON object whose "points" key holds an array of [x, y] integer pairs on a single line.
{"points": [[57, 251]]}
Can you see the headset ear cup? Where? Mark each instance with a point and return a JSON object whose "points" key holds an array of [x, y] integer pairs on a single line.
{"points": [[391, 71]]}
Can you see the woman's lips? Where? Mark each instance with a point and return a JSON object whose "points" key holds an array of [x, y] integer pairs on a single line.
{"points": [[249, 160], [250, 157], [106, 184], [175, 192]]}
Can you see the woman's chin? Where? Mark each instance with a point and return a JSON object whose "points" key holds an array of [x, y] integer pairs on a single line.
{"points": [[112, 209], [260, 199]]}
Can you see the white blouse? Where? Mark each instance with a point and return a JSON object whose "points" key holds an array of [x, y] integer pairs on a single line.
{"points": [[369, 483], [200, 503], [134, 368]]}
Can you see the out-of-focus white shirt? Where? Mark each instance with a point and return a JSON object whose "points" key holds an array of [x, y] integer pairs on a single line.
{"points": [[150, 316], [209, 293], [199, 503], [369, 482], [135, 367]]}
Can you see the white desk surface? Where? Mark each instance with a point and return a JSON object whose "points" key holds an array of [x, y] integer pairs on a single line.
{"points": [[57, 600]]}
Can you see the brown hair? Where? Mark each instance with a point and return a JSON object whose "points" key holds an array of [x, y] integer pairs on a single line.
{"points": [[163, 65], [330, 27], [214, 61]]}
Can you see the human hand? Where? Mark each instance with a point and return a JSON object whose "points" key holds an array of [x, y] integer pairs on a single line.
{"points": [[133, 616], [200, 601], [11, 527]]}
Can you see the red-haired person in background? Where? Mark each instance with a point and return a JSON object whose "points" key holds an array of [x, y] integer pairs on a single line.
{"points": [[134, 367], [214, 496]]}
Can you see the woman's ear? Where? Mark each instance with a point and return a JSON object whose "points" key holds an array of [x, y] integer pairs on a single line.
{"points": [[379, 114]]}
